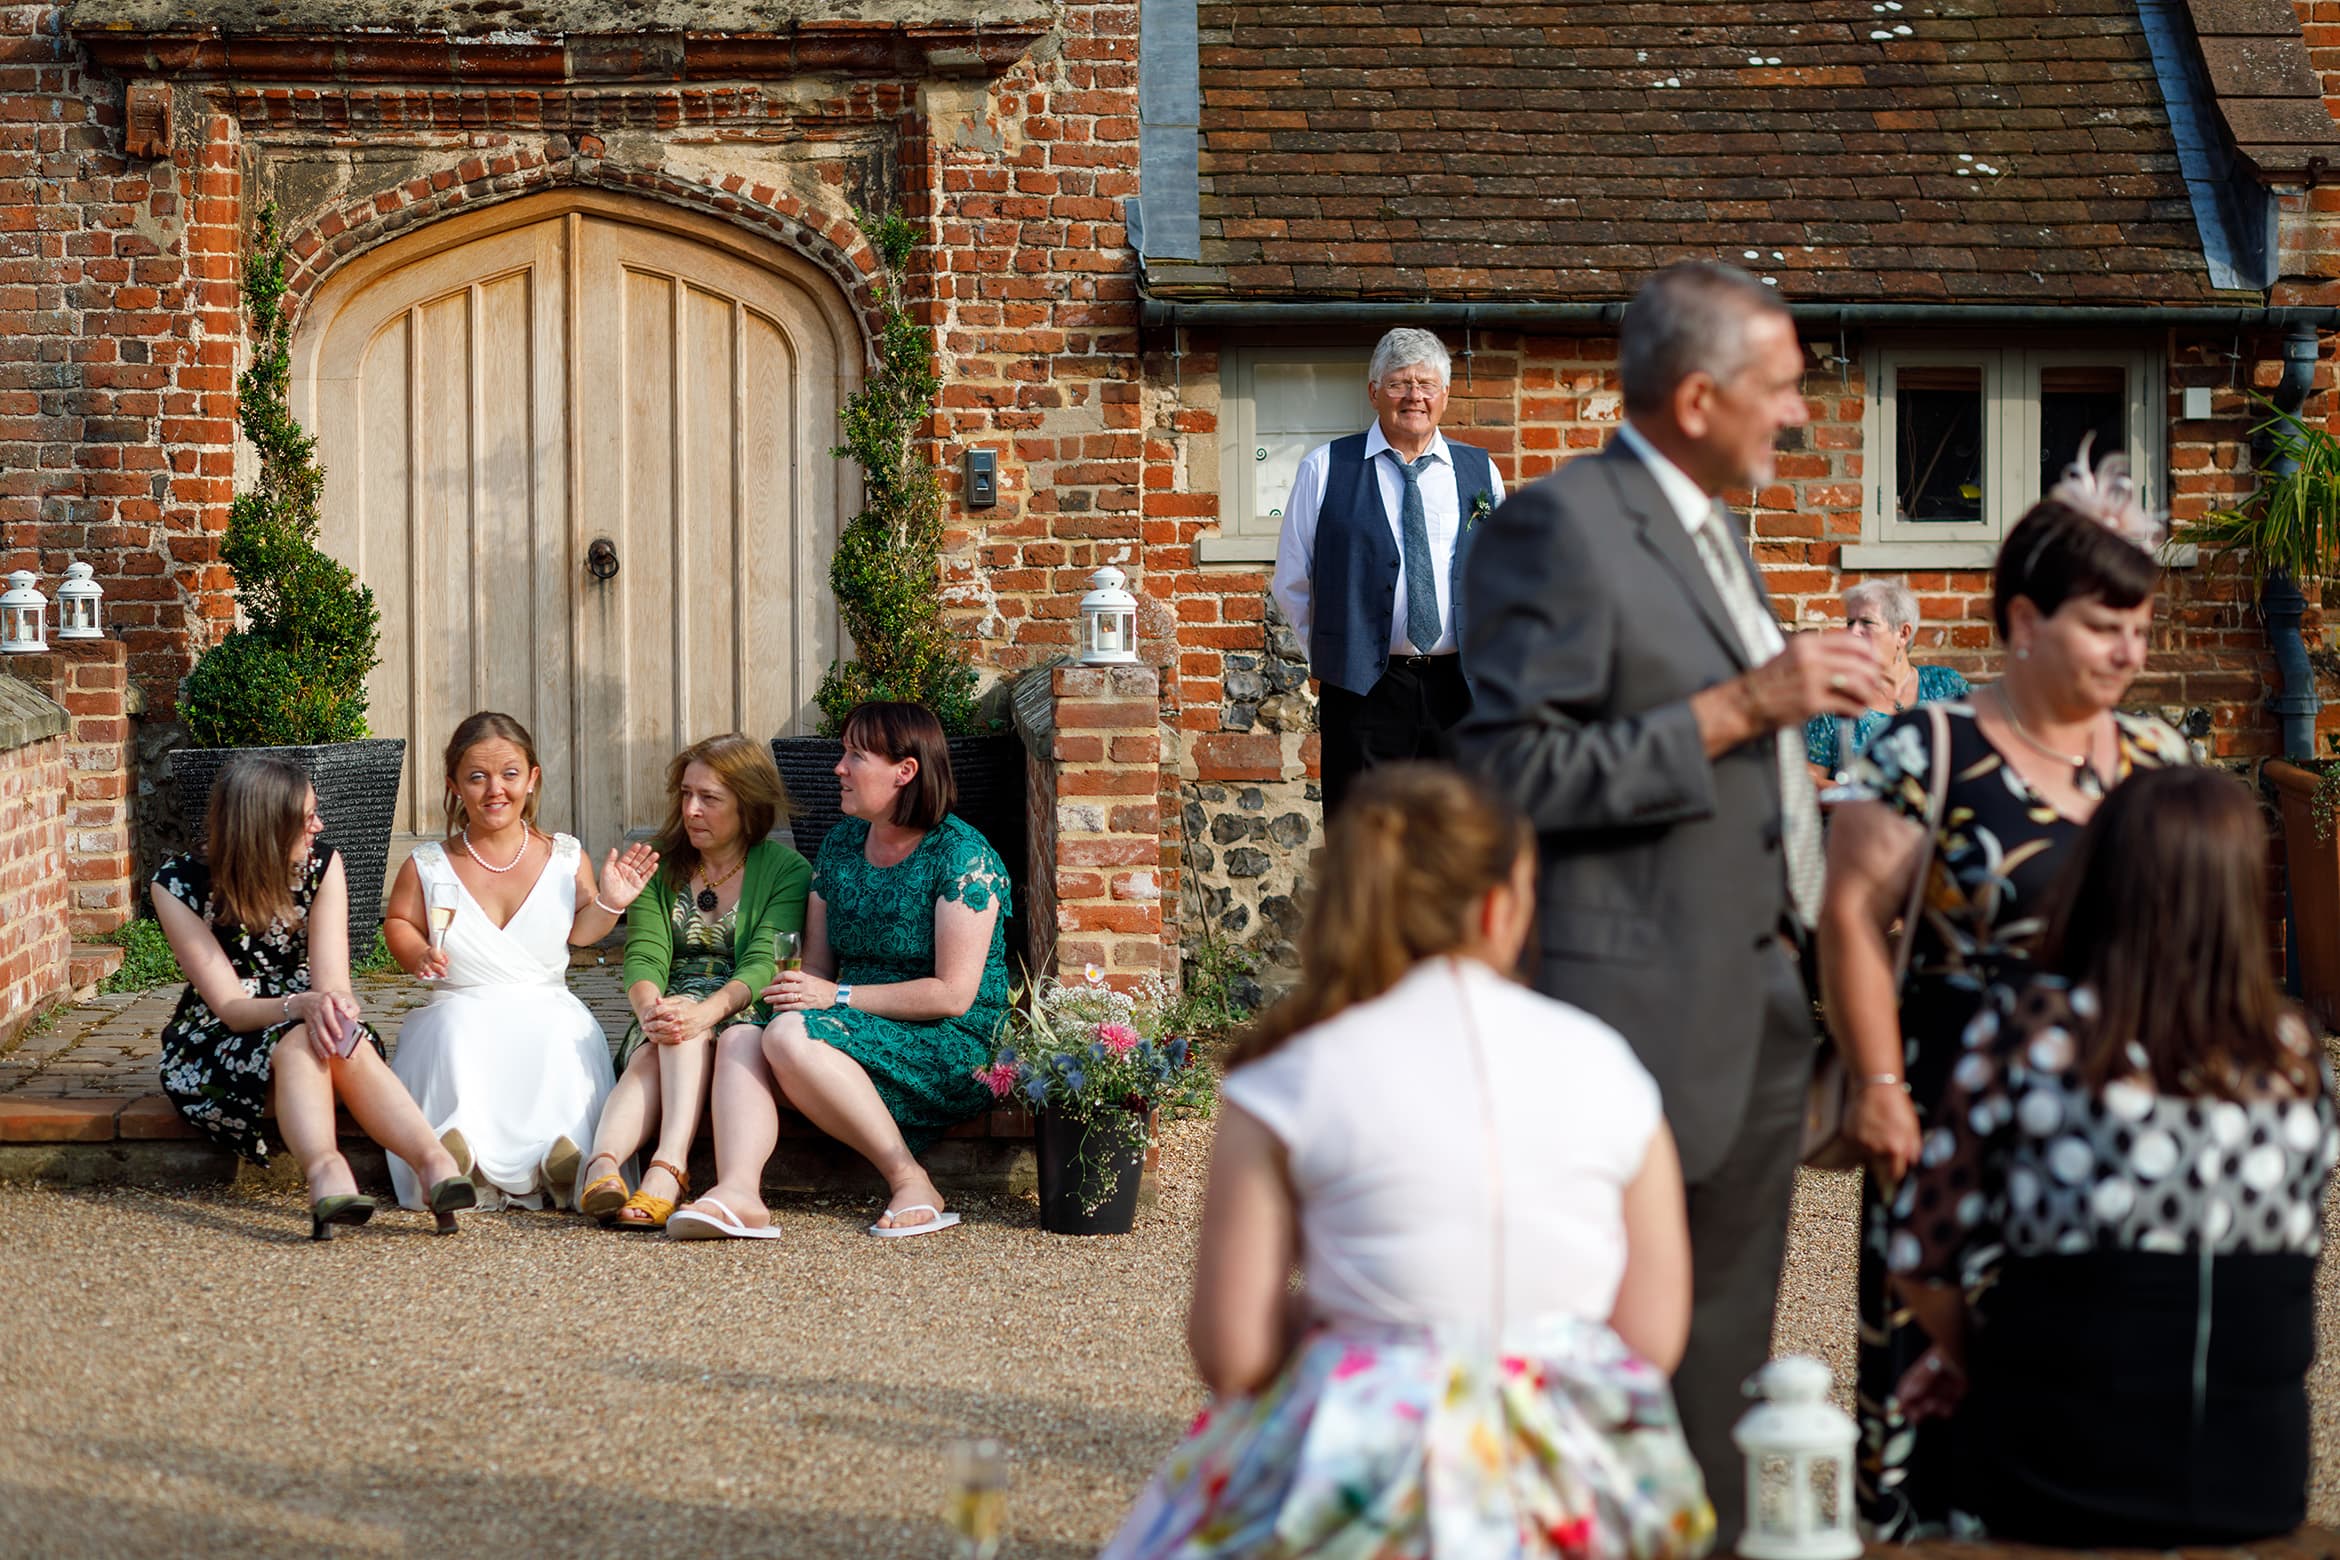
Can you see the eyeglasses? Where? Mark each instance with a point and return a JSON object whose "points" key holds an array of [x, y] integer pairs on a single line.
{"points": [[1412, 387]]}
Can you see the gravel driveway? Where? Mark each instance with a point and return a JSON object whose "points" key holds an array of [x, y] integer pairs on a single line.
{"points": [[191, 1376]]}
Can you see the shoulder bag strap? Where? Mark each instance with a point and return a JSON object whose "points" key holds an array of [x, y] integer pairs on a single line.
{"points": [[1937, 801]]}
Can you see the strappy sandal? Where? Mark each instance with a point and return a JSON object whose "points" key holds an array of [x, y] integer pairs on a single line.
{"points": [[645, 1212], [604, 1195]]}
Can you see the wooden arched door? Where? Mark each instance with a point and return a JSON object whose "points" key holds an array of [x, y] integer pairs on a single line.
{"points": [[510, 402]]}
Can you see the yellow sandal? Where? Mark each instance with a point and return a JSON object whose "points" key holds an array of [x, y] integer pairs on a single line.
{"points": [[603, 1197], [645, 1212]]}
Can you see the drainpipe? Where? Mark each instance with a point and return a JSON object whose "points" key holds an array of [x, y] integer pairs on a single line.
{"points": [[2281, 602]]}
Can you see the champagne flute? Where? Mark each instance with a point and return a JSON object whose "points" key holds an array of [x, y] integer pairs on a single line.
{"points": [[788, 950], [976, 1512], [1843, 790], [442, 914]]}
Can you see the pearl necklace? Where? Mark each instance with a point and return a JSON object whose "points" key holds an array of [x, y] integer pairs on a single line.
{"points": [[2085, 779], [472, 851]]}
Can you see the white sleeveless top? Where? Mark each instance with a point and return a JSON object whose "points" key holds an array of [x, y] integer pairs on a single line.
{"points": [[1386, 1122], [532, 949]]}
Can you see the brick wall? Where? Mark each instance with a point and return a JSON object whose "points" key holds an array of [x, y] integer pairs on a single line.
{"points": [[89, 679], [1097, 826], [35, 945]]}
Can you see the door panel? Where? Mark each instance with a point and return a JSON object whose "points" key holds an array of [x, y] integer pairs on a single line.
{"points": [[490, 406]]}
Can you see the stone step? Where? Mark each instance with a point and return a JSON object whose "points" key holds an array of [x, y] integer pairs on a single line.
{"points": [[89, 965]]}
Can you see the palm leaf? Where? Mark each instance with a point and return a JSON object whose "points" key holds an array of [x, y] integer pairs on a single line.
{"points": [[2291, 523]]}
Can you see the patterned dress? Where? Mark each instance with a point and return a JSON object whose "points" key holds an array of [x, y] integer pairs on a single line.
{"points": [[881, 930], [702, 965], [219, 1077], [2140, 1266], [1935, 685], [1995, 853]]}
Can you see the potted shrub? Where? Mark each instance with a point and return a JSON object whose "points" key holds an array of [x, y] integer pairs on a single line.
{"points": [[1098, 1070], [293, 676], [2288, 533], [887, 577]]}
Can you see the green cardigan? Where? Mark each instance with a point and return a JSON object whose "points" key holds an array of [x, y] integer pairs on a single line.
{"points": [[771, 898]]}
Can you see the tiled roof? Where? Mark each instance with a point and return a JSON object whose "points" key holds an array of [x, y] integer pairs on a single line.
{"points": [[1906, 150]]}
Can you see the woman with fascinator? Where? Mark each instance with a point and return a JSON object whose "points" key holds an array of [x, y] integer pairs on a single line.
{"points": [[1987, 798]]}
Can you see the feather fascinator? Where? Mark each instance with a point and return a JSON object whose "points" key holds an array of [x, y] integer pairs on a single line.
{"points": [[2106, 494]]}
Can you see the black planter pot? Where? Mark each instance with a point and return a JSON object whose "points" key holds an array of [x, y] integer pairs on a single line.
{"points": [[357, 796], [990, 776], [1069, 1204]]}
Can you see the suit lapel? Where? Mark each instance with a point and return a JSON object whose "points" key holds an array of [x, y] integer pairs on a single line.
{"points": [[1660, 530]]}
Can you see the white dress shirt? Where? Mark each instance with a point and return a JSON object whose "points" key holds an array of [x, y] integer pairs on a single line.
{"points": [[1441, 513], [1693, 504]]}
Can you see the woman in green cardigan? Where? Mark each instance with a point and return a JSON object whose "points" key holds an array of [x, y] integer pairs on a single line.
{"points": [[699, 946]]}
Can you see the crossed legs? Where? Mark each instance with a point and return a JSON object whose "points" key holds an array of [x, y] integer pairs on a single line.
{"points": [[755, 1069], [306, 1087]]}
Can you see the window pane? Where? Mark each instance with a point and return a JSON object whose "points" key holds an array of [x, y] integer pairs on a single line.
{"points": [[1938, 412], [1294, 408], [2074, 403]]}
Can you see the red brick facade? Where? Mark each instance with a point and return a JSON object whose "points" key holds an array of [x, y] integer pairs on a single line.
{"points": [[35, 944]]}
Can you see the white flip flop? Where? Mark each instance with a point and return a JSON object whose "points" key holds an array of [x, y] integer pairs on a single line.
{"points": [[940, 1221], [690, 1224]]}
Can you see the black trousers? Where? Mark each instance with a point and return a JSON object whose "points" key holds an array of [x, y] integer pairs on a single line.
{"points": [[1738, 1240], [1410, 713]]}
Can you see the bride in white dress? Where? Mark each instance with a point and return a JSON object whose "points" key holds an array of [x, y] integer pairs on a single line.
{"points": [[510, 1069]]}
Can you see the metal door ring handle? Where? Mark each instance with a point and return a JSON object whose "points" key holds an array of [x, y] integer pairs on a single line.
{"points": [[601, 559]]}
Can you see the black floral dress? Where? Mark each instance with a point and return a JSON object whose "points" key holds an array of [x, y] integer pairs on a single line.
{"points": [[1995, 852], [2139, 1267], [881, 929], [219, 1078]]}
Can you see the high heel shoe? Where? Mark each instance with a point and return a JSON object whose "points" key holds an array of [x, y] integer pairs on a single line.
{"points": [[341, 1208], [449, 1195]]}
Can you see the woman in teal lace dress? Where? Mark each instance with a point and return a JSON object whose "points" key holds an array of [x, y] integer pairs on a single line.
{"points": [[903, 986]]}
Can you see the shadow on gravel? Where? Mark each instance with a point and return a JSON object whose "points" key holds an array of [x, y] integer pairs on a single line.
{"points": [[204, 1503]]}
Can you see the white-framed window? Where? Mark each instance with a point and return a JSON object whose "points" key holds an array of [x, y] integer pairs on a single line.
{"points": [[1275, 405], [1959, 441]]}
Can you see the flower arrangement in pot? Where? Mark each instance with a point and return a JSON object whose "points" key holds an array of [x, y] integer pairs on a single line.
{"points": [[1099, 1069]]}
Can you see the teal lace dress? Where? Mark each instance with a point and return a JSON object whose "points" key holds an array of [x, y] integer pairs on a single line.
{"points": [[703, 960], [881, 930]]}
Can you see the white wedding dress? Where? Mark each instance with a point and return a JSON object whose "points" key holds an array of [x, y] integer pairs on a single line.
{"points": [[503, 1052]]}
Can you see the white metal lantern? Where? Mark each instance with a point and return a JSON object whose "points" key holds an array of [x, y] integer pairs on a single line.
{"points": [[24, 615], [1799, 1450], [77, 604], [1108, 620]]}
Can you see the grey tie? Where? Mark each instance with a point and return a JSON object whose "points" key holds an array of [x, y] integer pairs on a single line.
{"points": [[1799, 809], [1424, 623]]}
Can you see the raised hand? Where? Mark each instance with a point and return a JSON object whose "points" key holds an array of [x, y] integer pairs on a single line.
{"points": [[623, 877]]}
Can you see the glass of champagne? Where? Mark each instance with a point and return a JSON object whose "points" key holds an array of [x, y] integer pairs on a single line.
{"points": [[976, 1512], [1843, 789], [442, 913], [788, 950]]}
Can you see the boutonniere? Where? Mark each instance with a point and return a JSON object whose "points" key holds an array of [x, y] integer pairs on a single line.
{"points": [[1482, 505]]}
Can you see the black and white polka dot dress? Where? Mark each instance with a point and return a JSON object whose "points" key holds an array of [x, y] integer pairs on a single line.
{"points": [[2139, 1265]]}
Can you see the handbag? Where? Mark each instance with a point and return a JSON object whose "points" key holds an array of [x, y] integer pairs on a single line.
{"points": [[1828, 1097]]}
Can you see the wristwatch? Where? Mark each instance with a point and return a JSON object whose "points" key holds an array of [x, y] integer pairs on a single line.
{"points": [[845, 996]]}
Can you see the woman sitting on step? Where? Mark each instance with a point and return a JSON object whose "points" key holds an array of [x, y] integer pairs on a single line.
{"points": [[509, 1067], [700, 943], [903, 986], [259, 920], [1483, 1194]]}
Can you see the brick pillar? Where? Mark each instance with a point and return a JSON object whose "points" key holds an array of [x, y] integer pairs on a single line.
{"points": [[1096, 834], [91, 679]]}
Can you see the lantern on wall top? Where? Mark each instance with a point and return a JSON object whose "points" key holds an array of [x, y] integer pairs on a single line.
{"points": [[1799, 1450], [77, 604], [24, 615], [1108, 620]]}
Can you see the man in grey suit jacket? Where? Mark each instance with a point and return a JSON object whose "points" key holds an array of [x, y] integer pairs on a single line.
{"points": [[1632, 692]]}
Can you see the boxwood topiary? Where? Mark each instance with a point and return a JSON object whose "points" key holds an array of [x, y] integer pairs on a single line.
{"points": [[295, 672]]}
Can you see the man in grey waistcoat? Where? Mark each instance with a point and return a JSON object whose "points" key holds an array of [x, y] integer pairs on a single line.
{"points": [[1365, 567], [1633, 692]]}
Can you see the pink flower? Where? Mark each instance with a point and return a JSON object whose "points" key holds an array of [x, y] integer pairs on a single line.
{"points": [[999, 1078], [1120, 1039]]}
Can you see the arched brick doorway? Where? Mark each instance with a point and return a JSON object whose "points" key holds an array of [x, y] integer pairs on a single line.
{"points": [[499, 391]]}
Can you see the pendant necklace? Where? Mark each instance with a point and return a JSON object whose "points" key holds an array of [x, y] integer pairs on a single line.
{"points": [[707, 885], [2085, 779], [472, 851]]}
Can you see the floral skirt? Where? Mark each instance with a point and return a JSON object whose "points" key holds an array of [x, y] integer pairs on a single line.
{"points": [[1391, 1445]]}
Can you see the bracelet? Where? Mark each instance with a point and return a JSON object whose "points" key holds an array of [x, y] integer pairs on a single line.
{"points": [[612, 909], [288, 1007], [1882, 1080]]}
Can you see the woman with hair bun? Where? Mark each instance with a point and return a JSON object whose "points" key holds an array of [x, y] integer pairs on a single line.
{"points": [[1476, 1363], [2028, 761], [510, 1067]]}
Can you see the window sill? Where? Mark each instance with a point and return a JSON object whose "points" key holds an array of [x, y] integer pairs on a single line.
{"points": [[1235, 549], [1864, 557]]}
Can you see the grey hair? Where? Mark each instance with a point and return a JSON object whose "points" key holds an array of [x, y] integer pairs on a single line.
{"points": [[1892, 597], [1689, 318], [1403, 348]]}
